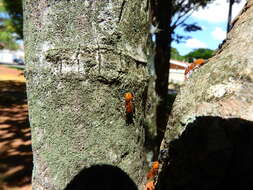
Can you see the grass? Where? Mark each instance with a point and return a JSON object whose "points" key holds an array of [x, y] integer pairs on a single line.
{"points": [[17, 67]]}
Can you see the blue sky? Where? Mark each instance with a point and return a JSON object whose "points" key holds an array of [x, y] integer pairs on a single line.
{"points": [[213, 20]]}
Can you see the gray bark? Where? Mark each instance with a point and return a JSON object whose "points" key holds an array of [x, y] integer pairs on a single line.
{"points": [[208, 141], [82, 56]]}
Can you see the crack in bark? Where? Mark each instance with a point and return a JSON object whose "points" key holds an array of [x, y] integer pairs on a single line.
{"points": [[121, 10]]}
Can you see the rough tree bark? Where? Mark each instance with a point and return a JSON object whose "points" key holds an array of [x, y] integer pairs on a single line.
{"points": [[82, 56], [209, 139]]}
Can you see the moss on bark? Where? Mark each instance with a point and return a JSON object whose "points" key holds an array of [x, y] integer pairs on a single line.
{"points": [[82, 56], [217, 99]]}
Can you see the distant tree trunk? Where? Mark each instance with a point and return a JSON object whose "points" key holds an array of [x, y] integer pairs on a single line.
{"points": [[231, 2], [163, 16], [82, 56], [208, 141]]}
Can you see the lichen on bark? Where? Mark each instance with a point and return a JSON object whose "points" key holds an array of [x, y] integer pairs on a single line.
{"points": [[82, 56], [216, 99]]}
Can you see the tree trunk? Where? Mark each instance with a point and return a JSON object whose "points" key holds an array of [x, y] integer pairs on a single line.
{"points": [[209, 139], [231, 2], [162, 16], [82, 57]]}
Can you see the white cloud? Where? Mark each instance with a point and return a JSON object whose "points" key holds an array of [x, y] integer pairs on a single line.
{"points": [[195, 43], [219, 34], [218, 11]]}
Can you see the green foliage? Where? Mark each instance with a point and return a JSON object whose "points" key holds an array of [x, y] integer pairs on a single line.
{"points": [[15, 13], [175, 54], [7, 40], [201, 53], [11, 23]]}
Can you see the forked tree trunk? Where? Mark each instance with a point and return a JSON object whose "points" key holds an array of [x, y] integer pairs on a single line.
{"points": [[82, 56]]}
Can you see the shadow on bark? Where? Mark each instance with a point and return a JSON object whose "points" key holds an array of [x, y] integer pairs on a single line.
{"points": [[15, 136], [99, 177], [212, 153]]}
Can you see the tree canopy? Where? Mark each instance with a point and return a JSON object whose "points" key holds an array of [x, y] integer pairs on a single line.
{"points": [[174, 54], [201, 53], [11, 23], [181, 11], [15, 13]]}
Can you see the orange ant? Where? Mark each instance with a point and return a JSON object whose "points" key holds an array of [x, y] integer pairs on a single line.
{"points": [[129, 106], [195, 65], [150, 185]]}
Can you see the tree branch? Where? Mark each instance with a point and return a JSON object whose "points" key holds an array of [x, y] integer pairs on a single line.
{"points": [[182, 18]]}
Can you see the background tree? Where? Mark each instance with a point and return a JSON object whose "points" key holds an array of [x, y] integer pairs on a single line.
{"points": [[15, 15], [231, 2], [201, 53], [11, 23], [166, 16], [7, 38], [176, 55], [181, 11]]}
